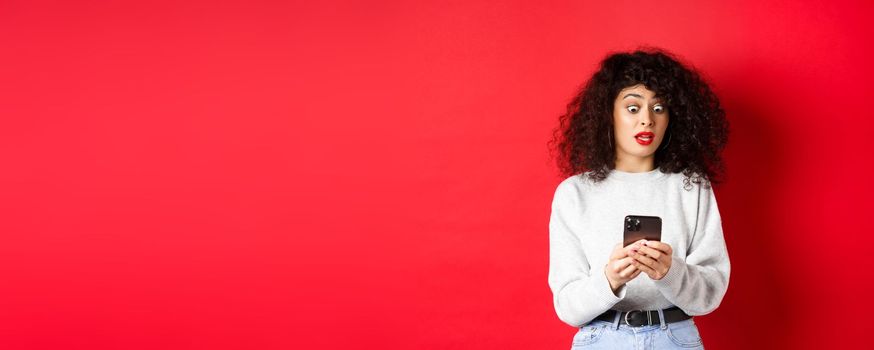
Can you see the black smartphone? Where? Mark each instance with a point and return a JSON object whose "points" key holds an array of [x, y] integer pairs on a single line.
{"points": [[639, 227]]}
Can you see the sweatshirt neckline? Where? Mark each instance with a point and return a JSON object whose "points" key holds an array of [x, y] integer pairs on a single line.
{"points": [[645, 176]]}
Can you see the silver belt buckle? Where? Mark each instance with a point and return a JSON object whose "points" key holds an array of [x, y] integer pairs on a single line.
{"points": [[648, 317]]}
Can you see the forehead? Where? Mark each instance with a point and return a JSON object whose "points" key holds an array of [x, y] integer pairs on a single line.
{"points": [[637, 90]]}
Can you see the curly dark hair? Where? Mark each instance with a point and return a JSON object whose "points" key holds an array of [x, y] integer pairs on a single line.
{"points": [[697, 126]]}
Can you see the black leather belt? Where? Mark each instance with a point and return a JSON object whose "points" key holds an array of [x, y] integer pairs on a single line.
{"points": [[638, 318]]}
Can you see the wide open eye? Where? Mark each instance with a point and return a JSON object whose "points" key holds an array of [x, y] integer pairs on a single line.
{"points": [[633, 108], [658, 108]]}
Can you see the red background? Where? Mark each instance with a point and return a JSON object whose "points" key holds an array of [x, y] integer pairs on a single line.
{"points": [[275, 175]]}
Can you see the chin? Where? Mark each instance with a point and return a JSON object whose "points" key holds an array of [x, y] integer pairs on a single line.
{"points": [[639, 151], [645, 154]]}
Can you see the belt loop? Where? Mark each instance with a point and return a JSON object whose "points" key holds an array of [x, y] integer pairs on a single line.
{"points": [[662, 319], [616, 319]]}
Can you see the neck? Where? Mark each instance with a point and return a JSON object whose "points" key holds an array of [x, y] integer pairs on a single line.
{"points": [[635, 165]]}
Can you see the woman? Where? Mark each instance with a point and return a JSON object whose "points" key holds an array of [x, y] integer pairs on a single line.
{"points": [[642, 137]]}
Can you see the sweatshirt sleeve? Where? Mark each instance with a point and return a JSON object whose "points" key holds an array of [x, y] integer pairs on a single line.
{"points": [[580, 292], [697, 282]]}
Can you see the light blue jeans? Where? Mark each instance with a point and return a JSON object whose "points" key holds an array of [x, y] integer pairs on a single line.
{"points": [[612, 335]]}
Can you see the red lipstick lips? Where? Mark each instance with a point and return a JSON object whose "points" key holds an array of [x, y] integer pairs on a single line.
{"points": [[644, 138]]}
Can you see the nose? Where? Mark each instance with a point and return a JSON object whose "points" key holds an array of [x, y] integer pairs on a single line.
{"points": [[646, 118]]}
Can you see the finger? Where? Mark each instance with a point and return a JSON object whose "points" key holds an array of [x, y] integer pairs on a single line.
{"points": [[652, 253], [646, 260], [648, 270], [656, 272], [618, 252], [637, 272], [628, 271], [661, 246], [621, 264], [664, 261], [633, 247], [635, 244]]}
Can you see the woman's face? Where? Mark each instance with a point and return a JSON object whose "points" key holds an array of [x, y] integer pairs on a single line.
{"points": [[639, 123]]}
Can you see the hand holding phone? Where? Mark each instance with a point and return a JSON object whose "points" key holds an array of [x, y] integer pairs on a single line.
{"points": [[620, 268]]}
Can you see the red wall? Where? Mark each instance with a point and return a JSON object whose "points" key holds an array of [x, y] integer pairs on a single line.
{"points": [[270, 175]]}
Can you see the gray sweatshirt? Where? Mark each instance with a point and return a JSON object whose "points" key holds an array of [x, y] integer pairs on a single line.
{"points": [[587, 222]]}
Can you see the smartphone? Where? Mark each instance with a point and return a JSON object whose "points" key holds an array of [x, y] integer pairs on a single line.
{"points": [[639, 227]]}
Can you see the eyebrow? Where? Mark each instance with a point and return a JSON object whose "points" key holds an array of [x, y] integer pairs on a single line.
{"points": [[656, 98]]}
